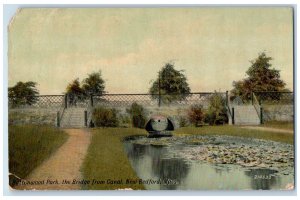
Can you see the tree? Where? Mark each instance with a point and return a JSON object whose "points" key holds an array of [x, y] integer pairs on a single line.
{"points": [[138, 115], [217, 112], [196, 115], [171, 83], [261, 77], [74, 91], [23, 93], [94, 84]]}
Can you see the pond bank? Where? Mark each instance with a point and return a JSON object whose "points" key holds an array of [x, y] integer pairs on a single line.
{"points": [[216, 149], [219, 162], [107, 159]]}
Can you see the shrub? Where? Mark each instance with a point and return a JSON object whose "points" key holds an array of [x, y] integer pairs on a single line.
{"points": [[124, 120], [105, 117], [196, 115], [138, 115], [183, 121], [217, 111]]}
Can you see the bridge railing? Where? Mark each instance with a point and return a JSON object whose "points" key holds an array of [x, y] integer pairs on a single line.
{"points": [[56, 101], [258, 107], [274, 97], [229, 108], [89, 112], [40, 101], [275, 106], [60, 113], [154, 99]]}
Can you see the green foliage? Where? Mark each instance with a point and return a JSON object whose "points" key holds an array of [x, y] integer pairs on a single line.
{"points": [[196, 115], [75, 92], [183, 121], [105, 117], [74, 87], [93, 84], [261, 77], [125, 120], [172, 83], [23, 93], [137, 114], [217, 113], [30, 145]]}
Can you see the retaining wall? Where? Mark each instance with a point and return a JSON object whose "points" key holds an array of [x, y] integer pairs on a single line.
{"points": [[42, 116], [278, 112]]}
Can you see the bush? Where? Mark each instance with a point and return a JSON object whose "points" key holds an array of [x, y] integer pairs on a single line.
{"points": [[105, 117], [196, 115], [124, 120], [183, 121], [217, 111], [138, 115]]}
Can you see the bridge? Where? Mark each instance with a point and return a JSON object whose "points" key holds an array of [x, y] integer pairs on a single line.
{"points": [[76, 111]]}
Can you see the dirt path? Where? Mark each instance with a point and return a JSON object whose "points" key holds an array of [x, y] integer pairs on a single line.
{"points": [[269, 129], [65, 163]]}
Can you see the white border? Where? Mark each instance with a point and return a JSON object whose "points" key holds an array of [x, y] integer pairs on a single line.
{"points": [[3, 100]]}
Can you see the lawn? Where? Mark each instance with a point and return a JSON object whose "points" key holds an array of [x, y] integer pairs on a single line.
{"points": [[106, 158], [279, 125], [30, 145], [237, 131]]}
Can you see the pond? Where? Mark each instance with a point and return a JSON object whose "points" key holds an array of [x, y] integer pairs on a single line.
{"points": [[211, 163]]}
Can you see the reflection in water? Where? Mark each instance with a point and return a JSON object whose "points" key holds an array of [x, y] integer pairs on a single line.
{"points": [[150, 159], [262, 178], [222, 170], [174, 169], [136, 150], [152, 162]]}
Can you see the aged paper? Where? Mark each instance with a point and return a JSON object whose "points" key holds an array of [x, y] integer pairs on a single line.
{"points": [[181, 98]]}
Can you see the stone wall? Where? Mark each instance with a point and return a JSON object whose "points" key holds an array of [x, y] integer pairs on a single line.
{"points": [[278, 112], [176, 114], [39, 116]]}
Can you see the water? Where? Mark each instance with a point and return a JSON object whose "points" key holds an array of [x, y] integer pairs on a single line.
{"points": [[160, 171]]}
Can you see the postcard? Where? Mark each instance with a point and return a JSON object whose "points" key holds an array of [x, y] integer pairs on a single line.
{"points": [[151, 98]]}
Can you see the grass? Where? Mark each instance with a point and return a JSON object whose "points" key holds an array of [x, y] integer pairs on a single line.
{"points": [[279, 125], [106, 159], [236, 131], [30, 145]]}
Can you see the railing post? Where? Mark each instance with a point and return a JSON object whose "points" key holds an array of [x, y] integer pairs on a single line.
{"points": [[252, 98], [226, 98], [159, 95], [261, 115], [57, 118], [159, 100], [232, 115], [92, 101], [66, 101], [259, 101], [85, 118]]}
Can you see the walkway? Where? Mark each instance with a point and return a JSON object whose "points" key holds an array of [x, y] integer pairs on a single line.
{"points": [[64, 164]]}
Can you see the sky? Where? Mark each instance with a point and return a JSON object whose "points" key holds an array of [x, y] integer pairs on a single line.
{"points": [[213, 45]]}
